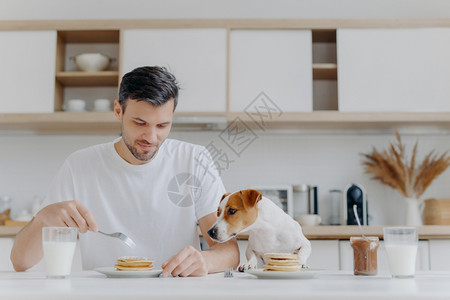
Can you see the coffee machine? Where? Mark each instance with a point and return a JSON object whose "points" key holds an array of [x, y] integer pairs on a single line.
{"points": [[354, 194]]}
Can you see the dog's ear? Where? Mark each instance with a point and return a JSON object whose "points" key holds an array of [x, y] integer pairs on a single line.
{"points": [[224, 195], [250, 197]]}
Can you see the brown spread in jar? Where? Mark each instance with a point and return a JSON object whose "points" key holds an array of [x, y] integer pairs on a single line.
{"points": [[365, 255]]}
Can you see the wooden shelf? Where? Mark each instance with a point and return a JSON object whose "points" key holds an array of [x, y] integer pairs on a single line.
{"points": [[76, 78], [95, 122], [105, 122], [325, 71], [335, 120], [89, 36]]}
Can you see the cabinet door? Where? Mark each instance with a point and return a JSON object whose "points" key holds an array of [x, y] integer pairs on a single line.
{"points": [[324, 255], [393, 69], [439, 255], [27, 72], [197, 58], [5, 251], [422, 259], [277, 63]]}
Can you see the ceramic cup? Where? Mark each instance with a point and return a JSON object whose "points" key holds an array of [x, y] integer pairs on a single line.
{"points": [[75, 105], [102, 105], [309, 220], [59, 245]]}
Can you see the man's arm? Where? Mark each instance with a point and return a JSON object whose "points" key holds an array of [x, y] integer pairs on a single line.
{"points": [[219, 256], [191, 262], [27, 248]]}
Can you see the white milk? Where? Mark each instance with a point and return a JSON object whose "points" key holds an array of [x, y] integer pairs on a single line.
{"points": [[402, 259], [58, 257]]}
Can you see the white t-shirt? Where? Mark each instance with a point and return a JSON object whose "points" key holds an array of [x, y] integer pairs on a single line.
{"points": [[156, 204]]}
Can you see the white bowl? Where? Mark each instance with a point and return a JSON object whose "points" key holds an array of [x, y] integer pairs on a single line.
{"points": [[92, 62], [102, 105], [75, 105]]}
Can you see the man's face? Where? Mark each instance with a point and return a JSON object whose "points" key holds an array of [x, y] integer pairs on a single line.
{"points": [[144, 128]]}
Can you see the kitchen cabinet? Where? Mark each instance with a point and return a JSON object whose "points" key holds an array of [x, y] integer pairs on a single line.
{"points": [[275, 63], [27, 72], [439, 252], [70, 83], [393, 69], [324, 254], [6, 244], [210, 58], [197, 58], [346, 256]]}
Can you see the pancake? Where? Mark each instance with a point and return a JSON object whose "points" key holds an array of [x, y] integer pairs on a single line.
{"points": [[281, 256], [281, 268], [282, 262], [134, 263]]}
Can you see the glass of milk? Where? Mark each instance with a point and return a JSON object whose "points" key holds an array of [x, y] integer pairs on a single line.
{"points": [[59, 246], [401, 248]]}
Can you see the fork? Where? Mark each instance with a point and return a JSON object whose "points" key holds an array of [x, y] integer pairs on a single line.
{"points": [[129, 242], [228, 273]]}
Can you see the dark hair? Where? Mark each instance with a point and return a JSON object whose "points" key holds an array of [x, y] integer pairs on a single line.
{"points": [[154, 85]]}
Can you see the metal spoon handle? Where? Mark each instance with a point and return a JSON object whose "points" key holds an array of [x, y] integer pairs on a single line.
{"points": [[359, 223]]}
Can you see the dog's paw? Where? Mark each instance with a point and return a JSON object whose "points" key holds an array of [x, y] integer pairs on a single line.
{"points": [[245, 267]]}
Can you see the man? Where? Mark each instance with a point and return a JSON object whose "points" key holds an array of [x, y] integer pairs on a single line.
{"points": [[135, 185]]}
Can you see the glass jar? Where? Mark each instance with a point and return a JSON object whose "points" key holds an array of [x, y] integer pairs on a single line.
{"points": [[5, 209], [365, 255], [335, 207]]}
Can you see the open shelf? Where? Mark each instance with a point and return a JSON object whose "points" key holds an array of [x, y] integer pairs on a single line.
{"points": [[325, 71], [76, 78]]}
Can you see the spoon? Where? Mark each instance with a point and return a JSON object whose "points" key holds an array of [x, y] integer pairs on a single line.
{"points": [[359, 223]]}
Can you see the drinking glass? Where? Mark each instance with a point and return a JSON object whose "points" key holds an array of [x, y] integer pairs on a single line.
{"points": [[59, 247], [365, 260], [401, 247]]}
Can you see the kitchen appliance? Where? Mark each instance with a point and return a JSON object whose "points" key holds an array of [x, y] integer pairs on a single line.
{"points": [[354, 194], [335, 198], [304, 193]]}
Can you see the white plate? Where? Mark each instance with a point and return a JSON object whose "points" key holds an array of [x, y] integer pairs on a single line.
{"points": [[302, 274], [113, 273]]}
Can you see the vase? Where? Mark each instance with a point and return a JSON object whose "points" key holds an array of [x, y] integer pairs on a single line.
{"points": [[413, 212]]}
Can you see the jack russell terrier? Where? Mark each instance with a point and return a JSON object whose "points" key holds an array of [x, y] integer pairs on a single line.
{"points": [[270, 229]]}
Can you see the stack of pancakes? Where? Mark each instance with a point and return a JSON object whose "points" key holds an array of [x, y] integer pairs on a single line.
{"points": [[281, 262], [134, 263]]}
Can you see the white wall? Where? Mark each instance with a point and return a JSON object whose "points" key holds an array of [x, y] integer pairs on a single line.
{"points": [[329, 160], [29, 162], [143, 9]]}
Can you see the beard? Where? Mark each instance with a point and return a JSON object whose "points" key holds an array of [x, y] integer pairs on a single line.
{"points": [[139, 155]]}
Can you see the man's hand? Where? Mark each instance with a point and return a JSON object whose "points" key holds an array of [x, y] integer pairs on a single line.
{"points": [[67, 213], [188, 262]]}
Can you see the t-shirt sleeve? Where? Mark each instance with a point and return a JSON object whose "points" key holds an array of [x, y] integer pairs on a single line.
{"points": [[61, 187], [211, 185]]}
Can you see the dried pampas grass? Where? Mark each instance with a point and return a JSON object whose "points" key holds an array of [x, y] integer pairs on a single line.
{"points": [[392, 168]]}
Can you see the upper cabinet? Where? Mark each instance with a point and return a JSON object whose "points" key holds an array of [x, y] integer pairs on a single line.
{"points": [[273, 63], [197, 57], [271, 74], [27, 72], [402, 70]]}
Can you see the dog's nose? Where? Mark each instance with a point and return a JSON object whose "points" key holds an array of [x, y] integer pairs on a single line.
{"points": [[213, 233]]}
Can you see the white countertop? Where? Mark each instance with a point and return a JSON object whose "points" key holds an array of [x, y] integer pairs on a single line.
{"points": [[328, 285]]}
